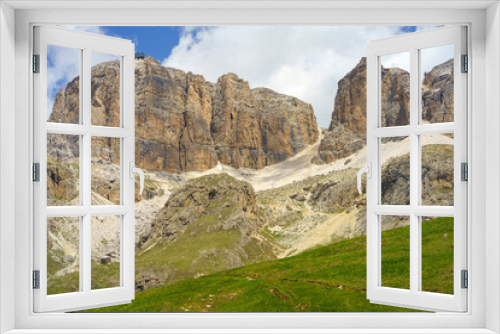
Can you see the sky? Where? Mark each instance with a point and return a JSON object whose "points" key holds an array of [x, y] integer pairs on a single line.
{"points": [[304, 61]]}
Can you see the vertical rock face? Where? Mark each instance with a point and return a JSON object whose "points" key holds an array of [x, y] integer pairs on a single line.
{"points": [[350, 100], [438, 94], [395, 102], [347, 131], [105, 94], [287, 124], [171, 113], [235, 124], [184, 123], [66, 108]]}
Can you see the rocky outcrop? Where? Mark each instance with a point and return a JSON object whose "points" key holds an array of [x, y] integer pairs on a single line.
{"points": [[207, 225], [347, 131], [437, 177], [209, 197], [437, 184], [259, 127], [63, 169], [438, 94], [184, 123], [330, 196], [395, 102]]}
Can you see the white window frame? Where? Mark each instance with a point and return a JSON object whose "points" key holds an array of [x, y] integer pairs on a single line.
{"points": [[412, 44], [484, 271], [86, 43]]}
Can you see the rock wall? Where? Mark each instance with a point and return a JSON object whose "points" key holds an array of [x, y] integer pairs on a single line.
{"points": [[347, 131], [184, 123], [438, 94]]}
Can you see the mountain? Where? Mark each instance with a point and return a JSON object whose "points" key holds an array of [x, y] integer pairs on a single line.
{"points": [[208, 224], [347, 131], [192, 224], [185, 123]]}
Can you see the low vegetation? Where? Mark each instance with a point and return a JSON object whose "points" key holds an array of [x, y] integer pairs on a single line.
{"points": [[327, 279]]}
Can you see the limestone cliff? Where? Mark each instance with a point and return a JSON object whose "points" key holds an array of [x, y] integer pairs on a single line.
{"points": [[185, 123], [438, 94], [347, 131]]}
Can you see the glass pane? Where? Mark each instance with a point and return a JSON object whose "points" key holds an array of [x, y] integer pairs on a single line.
{"points": [[437, 254], [437, 169], [105, 252], [395, 269], [105, 171], [63, 170], [395, 171], [63, 84], [105, 89], [395, 89], [436, 66], [63, 255]]}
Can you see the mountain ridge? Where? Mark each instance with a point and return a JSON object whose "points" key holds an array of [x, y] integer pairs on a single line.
{"points": [[347, 131]]}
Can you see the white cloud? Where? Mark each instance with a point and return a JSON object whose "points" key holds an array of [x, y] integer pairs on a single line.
{"points": [[63, 65], [306, 62], [399, 60], [435, 56]]}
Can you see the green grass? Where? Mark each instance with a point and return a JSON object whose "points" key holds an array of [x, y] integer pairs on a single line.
{"points": [[437, 255], [327, 279], [203, 248], [63, 283]]}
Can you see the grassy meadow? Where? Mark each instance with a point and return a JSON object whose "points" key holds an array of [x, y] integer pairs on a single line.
{"points": [[326, 279]]}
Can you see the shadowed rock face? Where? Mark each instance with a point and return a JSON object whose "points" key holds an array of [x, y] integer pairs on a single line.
{"points": [[184, 123], [438, 94], [347, 131]]}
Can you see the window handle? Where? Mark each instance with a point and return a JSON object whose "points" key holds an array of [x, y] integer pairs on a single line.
{"points": [[132, 171], [368, 171]]}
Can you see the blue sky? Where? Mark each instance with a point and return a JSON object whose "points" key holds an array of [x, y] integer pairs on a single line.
{"points": [[306, 62], [156, 42]]}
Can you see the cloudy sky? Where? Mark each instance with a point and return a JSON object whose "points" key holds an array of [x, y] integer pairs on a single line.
{"points": [[306, 62]]}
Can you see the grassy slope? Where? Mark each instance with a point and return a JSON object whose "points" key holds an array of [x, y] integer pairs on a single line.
{"points": [[196, 251], [103, 276], [327, 279], [204, 247]]}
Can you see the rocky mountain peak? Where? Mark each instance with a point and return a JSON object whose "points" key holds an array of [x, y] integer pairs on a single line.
{"points": [[347, 131]]}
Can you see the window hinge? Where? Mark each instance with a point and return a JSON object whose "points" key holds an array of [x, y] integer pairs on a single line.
{"points": [[465, 63], [36, 172], [36, 63], [464, 171], [465, 279], [36, 279]]}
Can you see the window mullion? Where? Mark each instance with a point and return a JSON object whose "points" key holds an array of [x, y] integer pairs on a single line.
{"points": [[414, 172], [86, 163]]}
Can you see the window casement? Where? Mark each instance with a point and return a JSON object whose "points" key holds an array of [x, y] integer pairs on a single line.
{"points": [[80, 135], [415, 47]]}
